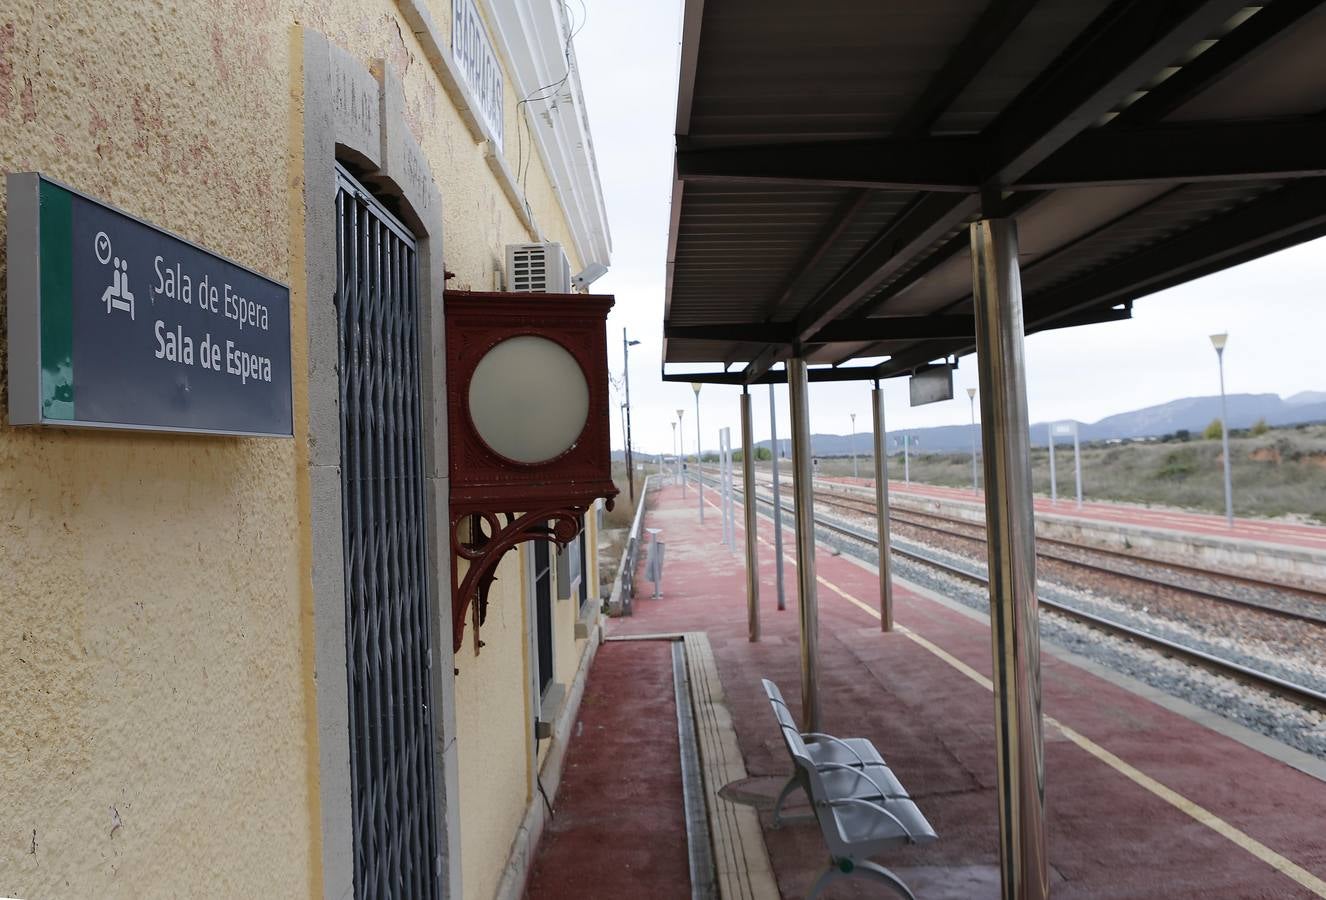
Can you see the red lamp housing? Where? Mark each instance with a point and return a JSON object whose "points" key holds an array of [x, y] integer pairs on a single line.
{"points": [[529, 440]]}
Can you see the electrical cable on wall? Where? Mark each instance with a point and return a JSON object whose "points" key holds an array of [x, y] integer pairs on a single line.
{"points": [[545, 92]]}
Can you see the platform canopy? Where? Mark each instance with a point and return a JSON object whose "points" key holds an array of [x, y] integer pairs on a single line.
{"points": [[830, 156]]}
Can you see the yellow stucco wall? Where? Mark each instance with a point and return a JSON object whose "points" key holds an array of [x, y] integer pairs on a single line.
{"points": [[157, 736]]}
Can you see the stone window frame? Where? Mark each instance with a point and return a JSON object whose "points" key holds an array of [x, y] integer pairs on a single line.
{"points": [[354, 114]]}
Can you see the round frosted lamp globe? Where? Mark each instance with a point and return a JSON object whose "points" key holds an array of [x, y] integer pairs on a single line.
{"points": [[529, 399]]}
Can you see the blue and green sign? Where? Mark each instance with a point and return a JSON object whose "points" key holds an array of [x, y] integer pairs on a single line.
{"points": [[114, 323]]}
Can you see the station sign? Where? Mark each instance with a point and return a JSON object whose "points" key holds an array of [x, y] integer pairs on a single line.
{"points": [[931, 385], [1064, 429], [114, 323]]}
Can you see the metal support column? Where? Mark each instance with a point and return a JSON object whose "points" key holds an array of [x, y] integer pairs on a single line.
{"points": [[1010, 532], [777, 501], [699, 454], [752, 524], [882, 511], [725, 488], [798, 389]]}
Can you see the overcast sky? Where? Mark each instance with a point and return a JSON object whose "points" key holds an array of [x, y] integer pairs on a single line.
{"points": [[1274, 308]]}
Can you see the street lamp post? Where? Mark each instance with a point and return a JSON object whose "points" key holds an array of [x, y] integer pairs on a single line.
{"points": [[1054, 484], [699, 482], [630, 457], [626, 452], [1218, 341], [681, 443], [674, 437], [971, 395], [853, 443]]}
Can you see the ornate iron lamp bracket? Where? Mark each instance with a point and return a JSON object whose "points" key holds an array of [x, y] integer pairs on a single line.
{"points": [[490, 536]]}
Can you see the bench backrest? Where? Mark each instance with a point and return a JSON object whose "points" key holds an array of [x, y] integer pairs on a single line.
{"points": [[809, 776]]}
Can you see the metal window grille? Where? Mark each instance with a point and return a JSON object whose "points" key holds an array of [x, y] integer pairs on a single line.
{"points": [[387, 597]]}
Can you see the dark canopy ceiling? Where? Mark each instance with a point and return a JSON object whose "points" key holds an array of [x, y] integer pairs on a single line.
{"points": [[831, 154]]}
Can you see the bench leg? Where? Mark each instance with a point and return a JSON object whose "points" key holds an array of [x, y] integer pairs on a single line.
{"points": [[782, 798], [875, 872], [864, 868]]}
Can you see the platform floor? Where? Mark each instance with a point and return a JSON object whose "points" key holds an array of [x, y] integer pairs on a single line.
{"points": [[1142, 801], [619, 824], [1263, 531]]}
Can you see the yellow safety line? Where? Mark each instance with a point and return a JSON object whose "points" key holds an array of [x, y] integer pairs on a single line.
{"points": [[1170, 796], [1278, 862]]}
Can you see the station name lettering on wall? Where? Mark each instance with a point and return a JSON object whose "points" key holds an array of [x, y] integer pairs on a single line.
{"points": [[478, 65], [140, 329]]}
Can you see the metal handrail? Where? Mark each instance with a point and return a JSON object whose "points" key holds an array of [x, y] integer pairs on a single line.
{"points": [[623, 586]]}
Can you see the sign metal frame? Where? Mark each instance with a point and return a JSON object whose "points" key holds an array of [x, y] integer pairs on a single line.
{"points": [[930, 384], [26, 312]]}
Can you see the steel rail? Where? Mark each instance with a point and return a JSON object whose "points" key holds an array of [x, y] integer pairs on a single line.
{"points": [[1249, 580], [1262, 583], [866, 506], [1138, 577]]}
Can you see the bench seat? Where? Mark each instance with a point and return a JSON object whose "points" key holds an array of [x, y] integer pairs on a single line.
{"points": [[859, 804]]}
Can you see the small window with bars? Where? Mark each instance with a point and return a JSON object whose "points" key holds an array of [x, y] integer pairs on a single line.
{"points": [[571, 580]]}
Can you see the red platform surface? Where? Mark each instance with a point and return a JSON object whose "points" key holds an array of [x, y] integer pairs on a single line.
{"points": [[1260, 530], [1109, 836], [619, 828]]}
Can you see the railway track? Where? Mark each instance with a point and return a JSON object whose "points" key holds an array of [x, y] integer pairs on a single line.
{"points": [[1282, 687], [1296, 692], [1044, 550]]}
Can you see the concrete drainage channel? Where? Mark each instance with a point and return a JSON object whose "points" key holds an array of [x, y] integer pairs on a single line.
{"points": [[698, 840], [725, 842]]}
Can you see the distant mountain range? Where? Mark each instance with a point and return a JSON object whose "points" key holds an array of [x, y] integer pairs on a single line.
{"points": [[1191, 413]]}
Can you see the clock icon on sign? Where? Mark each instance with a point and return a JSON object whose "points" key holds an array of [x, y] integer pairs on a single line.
{"points": [[101, 245]]}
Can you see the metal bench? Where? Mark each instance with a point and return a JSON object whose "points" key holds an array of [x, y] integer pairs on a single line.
{"points": [[835, 757], [860, 805]]}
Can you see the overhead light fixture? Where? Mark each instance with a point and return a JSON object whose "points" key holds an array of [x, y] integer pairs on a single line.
{"points": [[590, 274]]}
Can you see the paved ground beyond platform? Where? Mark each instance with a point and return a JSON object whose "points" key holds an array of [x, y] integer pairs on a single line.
{"points": [[619, 828], [1142, 802]]}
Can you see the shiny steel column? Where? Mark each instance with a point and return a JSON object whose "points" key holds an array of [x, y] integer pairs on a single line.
{"points": [[752, 525], [882, 511], [802, 492], [997, 290], [777, 501]]}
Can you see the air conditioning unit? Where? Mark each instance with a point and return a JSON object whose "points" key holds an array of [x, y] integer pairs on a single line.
{"points": [[537, 268]]}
